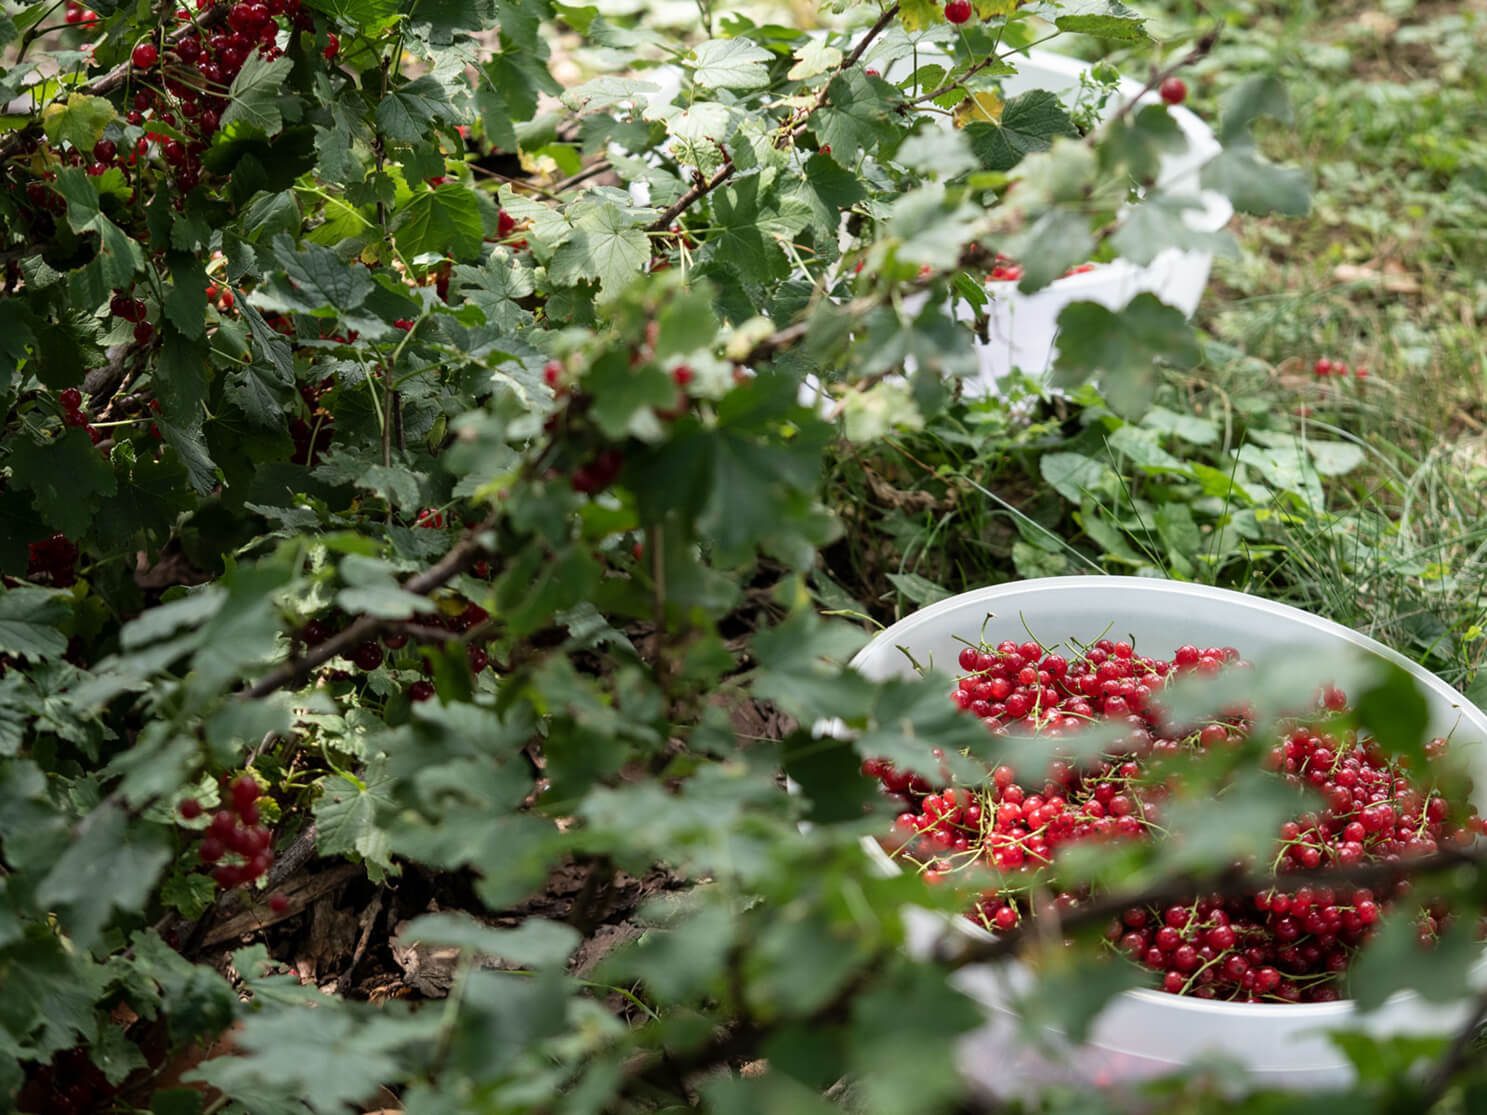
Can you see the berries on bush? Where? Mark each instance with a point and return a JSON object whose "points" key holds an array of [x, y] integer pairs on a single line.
{"points": [[144, 55]]}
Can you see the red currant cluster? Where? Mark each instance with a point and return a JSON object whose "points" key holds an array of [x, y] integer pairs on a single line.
{"points": [[76, 13], [430, 630], [197, 73], [1276, 945], [52, 560], [235, 832], [123, 304], [1007, 270], [1325, 367]]}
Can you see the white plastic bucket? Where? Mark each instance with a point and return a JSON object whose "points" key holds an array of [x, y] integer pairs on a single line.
{"points": [[1147, 1033], [1023, 328]]}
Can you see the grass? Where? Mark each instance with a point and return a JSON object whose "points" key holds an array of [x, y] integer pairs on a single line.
{"points": [[1388, 271]]}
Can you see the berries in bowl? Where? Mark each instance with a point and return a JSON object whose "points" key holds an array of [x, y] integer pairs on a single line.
{"points": [[1256, 969]]}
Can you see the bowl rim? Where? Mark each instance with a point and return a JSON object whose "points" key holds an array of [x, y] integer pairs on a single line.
{"points": [[1467, 713]]}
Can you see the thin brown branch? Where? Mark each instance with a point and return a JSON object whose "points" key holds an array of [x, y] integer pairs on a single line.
{"points": [[1200, 50], [700, 189], [465, 553], [1456, 1057], [797, 126], [792, 129]]}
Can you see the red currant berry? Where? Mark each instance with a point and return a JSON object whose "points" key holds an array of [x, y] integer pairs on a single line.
{"points": [[71, 399], [420, 691], [1174, 91], [367, 656], [189, 808], [278, 904], [332, 46], [958, 11], [144, 55]]}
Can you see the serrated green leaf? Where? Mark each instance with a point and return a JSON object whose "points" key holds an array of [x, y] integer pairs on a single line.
{"points": [[79, 120], [606, 245], [111, 865], [66, 477], [256, 96], [346, 816], [407, 113], [1256, 185], [29, 618], [1122, 348], [1030, 122], [445, 220], [730, 64], [1104, 19], [1158, 223]]}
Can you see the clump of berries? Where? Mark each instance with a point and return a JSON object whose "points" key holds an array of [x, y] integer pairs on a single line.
{"points": [[1282, 944], [236, 845], [53, 560], [1325, 367]]}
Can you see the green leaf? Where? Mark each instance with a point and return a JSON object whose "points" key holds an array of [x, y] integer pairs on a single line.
{"points": [[321, 279], [357, 14], [257, 93], [1189, 427], [1141, 447], [828, 772], [1104, 19], [1071, 996], [29, 618], [920, 590], [1030, 122], [1257, 96], [324, 1059], [374, 589], [1395, 960], [859, 114], [731, 64], [186, 298], [346, 816], [1158, 224], [189, 894], [1256, 185], [1396, 712], [79, 121], [66, 477], [687, 322], [1335, 458], [408, 113], [111, 865], [444, 221], [119, 257], [606, 245], [1075, 476], [1055, 242], [904, 1032], [1122, 347]]}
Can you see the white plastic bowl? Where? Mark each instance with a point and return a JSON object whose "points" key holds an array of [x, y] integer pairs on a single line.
{"points": [[1147, 1033]]}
